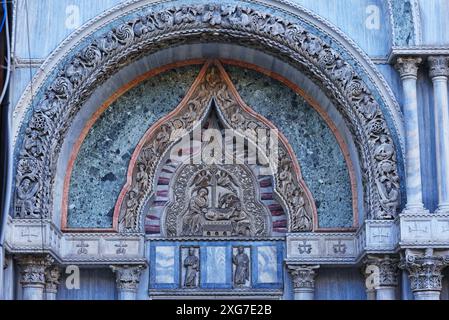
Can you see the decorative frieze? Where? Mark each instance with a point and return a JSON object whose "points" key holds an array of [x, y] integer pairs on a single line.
{"points": [[418, 230], [321, 248]]}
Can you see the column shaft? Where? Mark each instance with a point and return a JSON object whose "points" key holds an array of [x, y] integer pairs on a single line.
{"points": [[408, 69], [439, 72]]}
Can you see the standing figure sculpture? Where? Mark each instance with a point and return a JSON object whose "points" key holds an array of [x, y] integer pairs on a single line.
{"points": [[191, 263], [241, 262]]}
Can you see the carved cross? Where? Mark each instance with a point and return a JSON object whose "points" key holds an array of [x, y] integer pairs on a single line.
{"points": [[339, 248], [121, 247], [416, 229], [82, 247], [28, 234], [304, 247], [381, 235]]}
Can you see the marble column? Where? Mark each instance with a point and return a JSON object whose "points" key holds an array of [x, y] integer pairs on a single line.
{"points": [[303, 281], [408, 70], [425, 274], [385, 275], [127, 280], [52, 277], [32, 275], [439, 73]]}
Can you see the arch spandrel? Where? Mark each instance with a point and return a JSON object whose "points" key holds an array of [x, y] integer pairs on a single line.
{"points": [[91, 65], [212, 84]]}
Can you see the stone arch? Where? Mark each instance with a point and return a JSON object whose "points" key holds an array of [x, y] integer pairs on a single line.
{"points": [[254, 27], [212, 84]]}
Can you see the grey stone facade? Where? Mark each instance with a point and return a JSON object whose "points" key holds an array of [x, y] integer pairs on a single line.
{"points": [[361, 200]]}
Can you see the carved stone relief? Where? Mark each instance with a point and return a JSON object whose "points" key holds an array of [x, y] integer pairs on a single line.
{"points": [[95, 62], [191, 265], [216, 200], [241, 271], [233, 213]]}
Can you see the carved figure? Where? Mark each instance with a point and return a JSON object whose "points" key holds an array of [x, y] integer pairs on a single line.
{"points": [[191, 263], [241, 262]]}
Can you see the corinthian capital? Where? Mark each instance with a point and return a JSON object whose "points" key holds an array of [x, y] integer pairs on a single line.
{"points": [[52, 277], [127, 277], [303, 276], [386, 269], [439, 66], [408, 66], [425, 271], [32, 268]]}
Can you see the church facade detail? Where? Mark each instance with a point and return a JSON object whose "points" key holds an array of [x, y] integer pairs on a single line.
{"points": [[245, 149]]}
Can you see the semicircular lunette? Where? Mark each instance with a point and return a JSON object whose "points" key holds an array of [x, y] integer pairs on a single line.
{"points": [[213, 89]]}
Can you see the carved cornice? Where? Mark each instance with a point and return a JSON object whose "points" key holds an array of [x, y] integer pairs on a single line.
{"points": [[128, 277], [32, 268], [129, 41], [303, 276], [438, 66], [408, 66], [425, 271]]}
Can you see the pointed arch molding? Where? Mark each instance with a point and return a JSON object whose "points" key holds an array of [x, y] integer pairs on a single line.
{"points": [[256, 26], [212, 83]]}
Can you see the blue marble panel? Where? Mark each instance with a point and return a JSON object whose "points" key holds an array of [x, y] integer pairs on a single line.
{"points": [[267, 264], [216, 261], [216, 266], [165, 264]]}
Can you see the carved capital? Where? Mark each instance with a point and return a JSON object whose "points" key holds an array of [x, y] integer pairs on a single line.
{"points": [[32, 269], [408, 66], [52, 277], [127, 277], [425, 271], [385, 269], [303, 276], [438, 66]]}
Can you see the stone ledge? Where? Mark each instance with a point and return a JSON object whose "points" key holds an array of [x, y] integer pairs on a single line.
{"points": [[423, 230]]}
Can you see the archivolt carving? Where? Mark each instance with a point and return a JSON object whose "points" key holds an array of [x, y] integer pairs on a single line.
{"points": [[130, 40], [212, 83]]}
